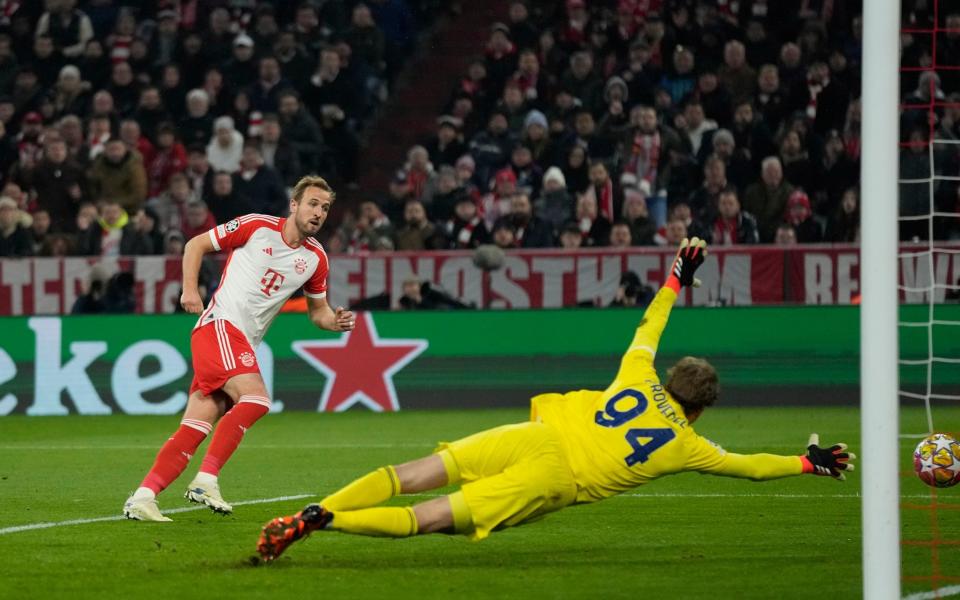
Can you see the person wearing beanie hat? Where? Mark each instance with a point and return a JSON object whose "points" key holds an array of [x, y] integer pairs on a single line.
{"points": [[800, 216], [536, 136], [447, 145], [555, 204], [226, 148]]}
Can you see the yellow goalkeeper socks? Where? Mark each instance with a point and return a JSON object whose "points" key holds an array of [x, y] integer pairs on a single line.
{"points": [[387, 521], [370, 490]]}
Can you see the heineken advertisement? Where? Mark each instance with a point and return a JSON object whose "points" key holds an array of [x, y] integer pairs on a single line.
{"points": [[140, 364]]}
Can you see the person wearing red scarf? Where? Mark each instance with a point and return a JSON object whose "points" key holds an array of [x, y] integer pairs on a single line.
{"points": [[732, 225]]}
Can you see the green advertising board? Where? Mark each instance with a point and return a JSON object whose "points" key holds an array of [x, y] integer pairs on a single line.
{"points": [[140, 364]]}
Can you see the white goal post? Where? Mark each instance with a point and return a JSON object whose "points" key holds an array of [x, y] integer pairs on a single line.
{"points": [[879, 401]]}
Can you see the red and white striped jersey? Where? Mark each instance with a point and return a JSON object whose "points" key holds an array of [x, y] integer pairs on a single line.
{"points": [[261, 273]]}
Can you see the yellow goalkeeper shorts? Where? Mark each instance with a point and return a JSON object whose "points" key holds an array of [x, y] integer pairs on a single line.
{"points": [[512, 474]]}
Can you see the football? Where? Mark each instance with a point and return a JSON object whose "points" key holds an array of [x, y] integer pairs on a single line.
{"points": [[937, 460]]}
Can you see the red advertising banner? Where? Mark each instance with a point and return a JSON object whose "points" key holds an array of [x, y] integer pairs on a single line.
{"points": [[734, 276]]}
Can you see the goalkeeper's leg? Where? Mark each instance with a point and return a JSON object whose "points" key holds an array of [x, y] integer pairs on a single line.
{"points": [[375, 488]]}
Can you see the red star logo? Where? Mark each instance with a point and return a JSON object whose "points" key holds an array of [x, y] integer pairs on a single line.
{"points": [[359, 367]]}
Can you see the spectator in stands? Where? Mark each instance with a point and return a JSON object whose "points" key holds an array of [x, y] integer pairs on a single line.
{"points": [[57, 183], [302, 130], [277, 151], [837, 173], [419, 170], [69, 27], [134, 140], [372, 230], [679, 81], [501, 56], [118, 175], [264, 93], [123, 88], [443, 195], [197, 126], [581, 80], [71, 131], [224, 201], [635, 213], [504, 236], [497, 203], [555, 205], [729, 225], [770, 100], [767, 199], [465, 229], [800, 216], [675, 232], [716, 101], [417, 233], [335, 104], [606, 192], [15, 239], [844, 224], [798, 169], [39, 230], [226, 148], [171, 205], [91, 302], [620, 235], [513, 105], [446, 146], [168, 158], [594, 228], [737, 168], [530, 231], [576, 169], [703, 202], [693, 127], [198, 220], [529, 174], [570, 236], [71, 94], [113, 234], [241, 69], [8, 150], [631, 292], [260, 185], [785, 235], [151, 113], [736, 75], [294, 62], [491, 147], [647, 153], [147, 224], [365, 39]]}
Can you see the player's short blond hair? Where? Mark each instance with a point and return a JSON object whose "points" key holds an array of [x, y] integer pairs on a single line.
{"points": [[693, 383], [308, 181]]}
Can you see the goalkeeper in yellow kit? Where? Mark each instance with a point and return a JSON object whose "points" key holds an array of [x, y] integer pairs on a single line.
{"points": [[578, 447]]}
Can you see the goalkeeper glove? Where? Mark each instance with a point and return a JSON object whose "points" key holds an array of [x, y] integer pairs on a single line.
{"points": [[832, 461], [689, 258]]}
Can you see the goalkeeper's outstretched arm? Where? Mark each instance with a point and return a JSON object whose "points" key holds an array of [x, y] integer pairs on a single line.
{"points": [[832, 462], [643, 347]]}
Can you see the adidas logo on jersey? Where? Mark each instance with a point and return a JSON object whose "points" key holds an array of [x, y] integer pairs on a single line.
{"points": [[268, 251]]}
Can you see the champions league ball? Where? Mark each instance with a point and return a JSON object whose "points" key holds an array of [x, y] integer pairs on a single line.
{"points": [[937, 461]]}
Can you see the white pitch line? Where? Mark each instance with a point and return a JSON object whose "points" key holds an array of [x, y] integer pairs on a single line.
{"points": [[172, 511], [950, 590]]}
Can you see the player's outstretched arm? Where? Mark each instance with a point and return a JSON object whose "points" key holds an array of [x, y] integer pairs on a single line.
{"points": [[193, 254], [832, 461], [325, 317]]}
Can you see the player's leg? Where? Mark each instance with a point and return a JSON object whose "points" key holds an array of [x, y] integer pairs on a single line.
{"points": [[378, 486], [250, 403], [202, 412]]}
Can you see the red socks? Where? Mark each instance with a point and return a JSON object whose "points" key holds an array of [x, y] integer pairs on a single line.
{"points": [[175, 454], [230, 430]]}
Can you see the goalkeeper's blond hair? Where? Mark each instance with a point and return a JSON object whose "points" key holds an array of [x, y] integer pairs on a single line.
{"points": [[693, 383]]}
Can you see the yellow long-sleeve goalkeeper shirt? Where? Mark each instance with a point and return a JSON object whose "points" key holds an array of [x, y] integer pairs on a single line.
{"points": [[634, 431]]}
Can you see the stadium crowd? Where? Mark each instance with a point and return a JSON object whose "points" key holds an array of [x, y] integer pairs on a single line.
{"points": [[640, 122], [128, 127]]}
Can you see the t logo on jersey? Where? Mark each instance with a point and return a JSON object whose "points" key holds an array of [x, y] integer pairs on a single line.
{"points": [[271, 282]]}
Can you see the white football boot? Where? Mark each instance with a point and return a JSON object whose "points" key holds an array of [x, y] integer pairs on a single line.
{"points": [[208, 494], [143, 509]]}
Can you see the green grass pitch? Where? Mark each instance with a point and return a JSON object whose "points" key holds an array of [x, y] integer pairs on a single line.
{"points": [[687, 536]]}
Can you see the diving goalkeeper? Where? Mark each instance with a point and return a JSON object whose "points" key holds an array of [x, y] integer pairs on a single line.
{"points": [[578, 447]]}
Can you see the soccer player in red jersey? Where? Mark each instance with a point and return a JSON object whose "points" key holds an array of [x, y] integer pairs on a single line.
{"points": [[270, 258]]}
